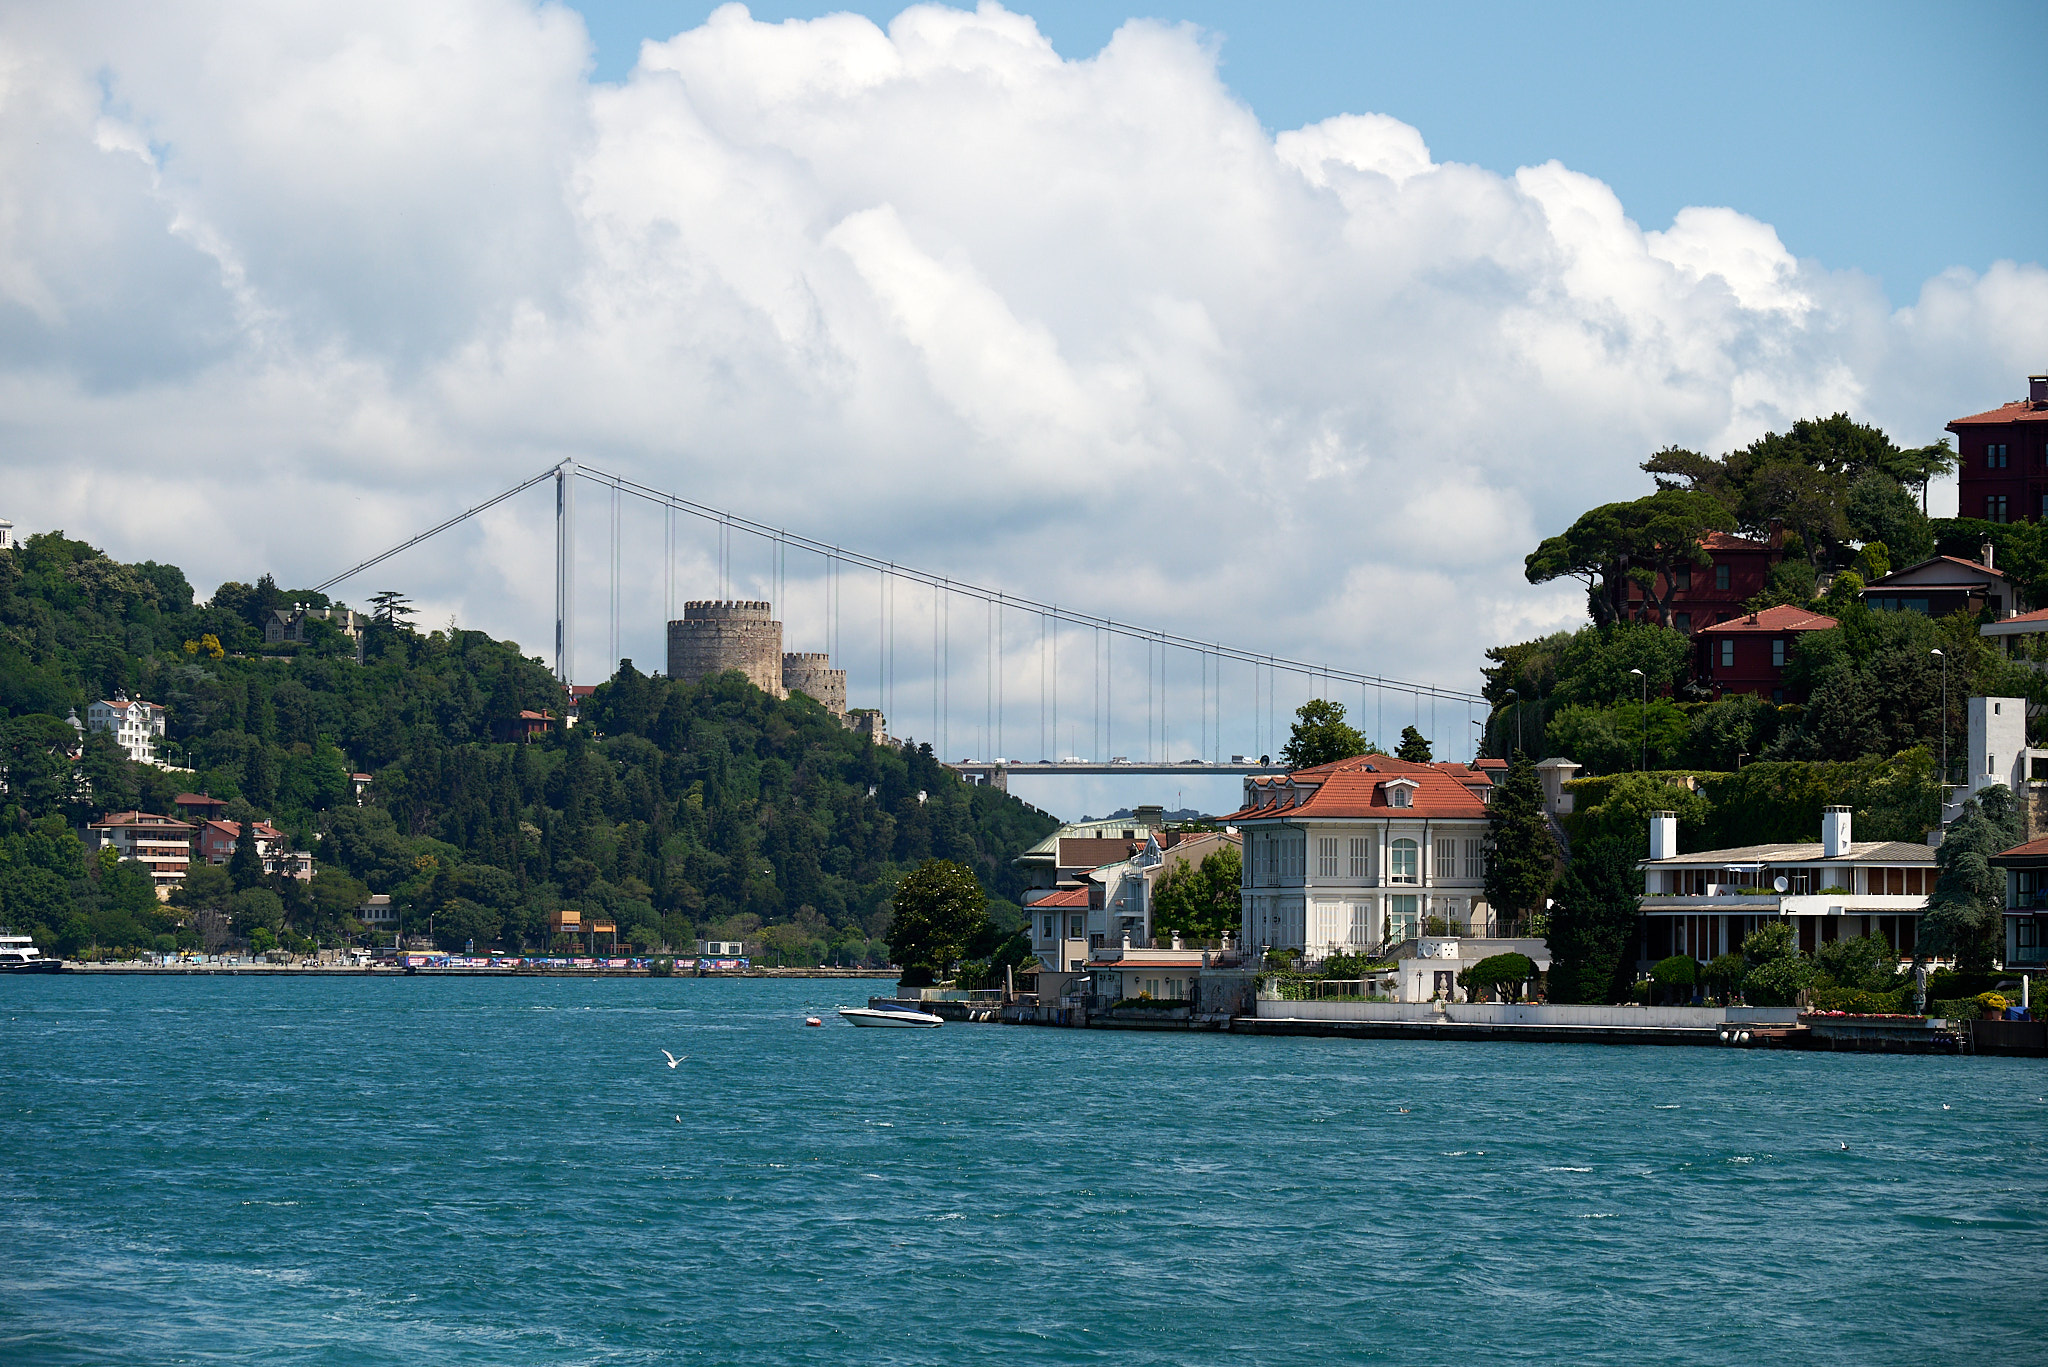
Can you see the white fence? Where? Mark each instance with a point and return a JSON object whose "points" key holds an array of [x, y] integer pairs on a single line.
{"points": [[1507, 1013]]}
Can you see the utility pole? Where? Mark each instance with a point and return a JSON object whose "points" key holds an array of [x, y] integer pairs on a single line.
{"points": [[565, 570]]}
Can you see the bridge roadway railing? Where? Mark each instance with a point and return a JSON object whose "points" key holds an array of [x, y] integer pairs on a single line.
{"points": [[998, 773]]}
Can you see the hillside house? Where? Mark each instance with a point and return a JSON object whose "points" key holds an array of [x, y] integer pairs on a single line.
{"points": [[1748, 654], [2002, 459], [133, 723]]}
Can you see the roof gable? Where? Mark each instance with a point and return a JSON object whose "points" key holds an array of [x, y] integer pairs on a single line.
{"points": [[1940, 571]]}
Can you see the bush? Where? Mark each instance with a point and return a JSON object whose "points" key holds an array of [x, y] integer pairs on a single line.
{"points": [[1861, 1001], [1504, 973], [1677, 971], [1723, 975], [1992, 1004], [1777, 982]]}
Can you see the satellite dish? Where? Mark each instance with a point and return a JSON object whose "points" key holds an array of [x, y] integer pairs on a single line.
{"points": [[1779, 883]]}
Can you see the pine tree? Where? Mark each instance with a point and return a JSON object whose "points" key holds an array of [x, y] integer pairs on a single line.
{"points": [[1520, 860], [1414, 746]]}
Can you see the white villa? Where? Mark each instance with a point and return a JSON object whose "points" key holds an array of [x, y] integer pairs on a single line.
{"points": [[1703, 904], [1357, 854], [134, 724]]}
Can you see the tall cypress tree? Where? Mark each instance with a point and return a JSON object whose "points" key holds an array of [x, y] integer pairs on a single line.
{"points": [[1520, 856], [245, 865], [1593, 925]]}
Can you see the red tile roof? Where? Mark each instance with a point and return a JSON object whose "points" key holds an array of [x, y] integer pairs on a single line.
{"points": [[198, 800], [2019, 410], [1784, 617], [1356, 787], [1068, 897], [1725, 541], [150, 819]]}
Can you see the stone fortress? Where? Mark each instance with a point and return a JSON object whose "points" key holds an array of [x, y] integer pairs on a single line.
{"points": [[713, 637]]}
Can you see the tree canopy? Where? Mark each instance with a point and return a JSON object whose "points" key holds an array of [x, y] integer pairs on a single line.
{"points": [[938, 912], [1201, 900], [678, 811], [1618, 544], [1414, 746], [1322, 736]]}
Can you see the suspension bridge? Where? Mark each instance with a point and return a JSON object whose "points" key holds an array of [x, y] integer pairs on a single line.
{"points": [[1025, 655]]}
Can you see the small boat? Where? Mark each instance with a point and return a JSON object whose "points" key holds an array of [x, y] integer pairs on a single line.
{"points": [[890, 1016], [18, 954]]}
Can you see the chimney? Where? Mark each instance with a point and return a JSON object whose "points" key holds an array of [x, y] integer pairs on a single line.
{"points": [[1663, 834], [1834, 832], [1984, 554], [1777, 534], [2037, 389]]}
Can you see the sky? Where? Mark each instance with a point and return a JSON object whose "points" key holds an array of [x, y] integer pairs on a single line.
{"points": [[1294, 328]]}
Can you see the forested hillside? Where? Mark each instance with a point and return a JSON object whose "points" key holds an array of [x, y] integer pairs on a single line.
{"points": [[676, 811]]}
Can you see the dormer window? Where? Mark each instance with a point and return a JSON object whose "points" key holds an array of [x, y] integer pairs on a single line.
{"points": [[1400, 792]]}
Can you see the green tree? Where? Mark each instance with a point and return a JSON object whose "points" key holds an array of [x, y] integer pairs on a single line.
{"points": [[1612, 740], [1774, 972], [1965, 915], [1520, 853], [1643, 543], [1593, 923], [1201, 900], [1414, 747], [1322, 736], [257, 909], [936, 914], [1880, 511], [245, 865]]}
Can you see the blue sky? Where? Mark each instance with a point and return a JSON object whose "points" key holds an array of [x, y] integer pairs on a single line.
{"points": [[1894, 139]]}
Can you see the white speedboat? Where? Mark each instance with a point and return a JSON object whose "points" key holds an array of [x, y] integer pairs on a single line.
{"points": [[890, 1017]]}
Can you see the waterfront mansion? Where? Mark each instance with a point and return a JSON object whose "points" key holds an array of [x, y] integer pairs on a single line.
{"points": [[1836, 888], [1357, 854]]}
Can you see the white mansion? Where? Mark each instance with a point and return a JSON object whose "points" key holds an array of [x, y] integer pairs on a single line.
{"points": [[1353, 855]]}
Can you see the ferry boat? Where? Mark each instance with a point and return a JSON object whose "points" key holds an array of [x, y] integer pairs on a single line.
{"points": [[890, 1016], [18, 954]]}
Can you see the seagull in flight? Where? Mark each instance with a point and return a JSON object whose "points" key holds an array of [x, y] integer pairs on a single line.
{"points": [[672, 1059]]}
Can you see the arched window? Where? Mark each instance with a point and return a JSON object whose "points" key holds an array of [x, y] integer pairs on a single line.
{"points": [[1403, 866]]}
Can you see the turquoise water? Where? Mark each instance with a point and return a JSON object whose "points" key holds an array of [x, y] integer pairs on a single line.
{"points": [[463, 1171]]}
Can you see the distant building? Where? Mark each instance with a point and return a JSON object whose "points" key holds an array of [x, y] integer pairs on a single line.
{"points": [[1748, 654], [531, 725], [161, 844], [713, 636], [215, 844], [289, 625], [378, 914], [7, 541], [2002, 459], [198, 808], [133, 723], [1944, 584], [1737, 570]]}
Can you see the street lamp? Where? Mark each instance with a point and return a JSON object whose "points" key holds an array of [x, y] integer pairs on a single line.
{"points": [[1478, 740], [1646, 717], [1944, 723]]}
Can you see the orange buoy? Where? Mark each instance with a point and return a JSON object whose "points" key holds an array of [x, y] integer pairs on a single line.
{"points": [[812, 1020]]}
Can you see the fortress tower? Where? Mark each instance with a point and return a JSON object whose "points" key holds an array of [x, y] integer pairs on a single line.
{"points": [[713, 637], [811, 673]]}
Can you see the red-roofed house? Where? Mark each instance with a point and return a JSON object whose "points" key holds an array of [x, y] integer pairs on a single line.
{"points": [[1738, 570], [215, 844], [2002, 459], [1749, 654], [1355, 855]]}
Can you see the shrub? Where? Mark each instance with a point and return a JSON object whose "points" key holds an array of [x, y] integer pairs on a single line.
{"points": [[1723, 975], [1677, 971], [1991, 1004], [1504, 973], [1777, 982]]}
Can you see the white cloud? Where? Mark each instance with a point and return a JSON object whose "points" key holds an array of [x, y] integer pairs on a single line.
{"points": [[316, 275]]}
